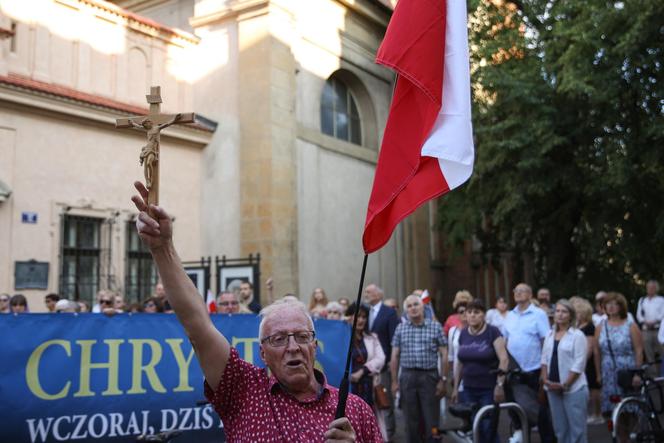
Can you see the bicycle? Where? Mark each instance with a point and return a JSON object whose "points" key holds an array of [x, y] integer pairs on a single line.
{"points": [[640, 411], [471, 416]]}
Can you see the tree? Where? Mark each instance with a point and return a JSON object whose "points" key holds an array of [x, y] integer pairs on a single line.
{"points": [[568, 117]]}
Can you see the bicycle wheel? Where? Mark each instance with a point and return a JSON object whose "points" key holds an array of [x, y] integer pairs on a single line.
{"points": [[632, 422]]}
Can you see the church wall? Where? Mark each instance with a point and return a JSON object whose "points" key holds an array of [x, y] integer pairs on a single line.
{"points": [[57, 162]]}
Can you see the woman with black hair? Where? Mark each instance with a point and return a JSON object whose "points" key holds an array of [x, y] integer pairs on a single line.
{"points": [[367, 359]]}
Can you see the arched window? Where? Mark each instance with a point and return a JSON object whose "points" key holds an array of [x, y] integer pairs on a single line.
{"points": [[338, 112]]}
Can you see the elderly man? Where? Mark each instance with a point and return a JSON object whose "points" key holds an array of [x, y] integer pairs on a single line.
{"points": [[418, 343], [228, 303], [383, 321], [526, 327], [291, 404], [650, 313]]}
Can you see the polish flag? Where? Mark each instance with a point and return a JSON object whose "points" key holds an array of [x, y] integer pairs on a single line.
{"points": [[211, 302], [427, 147], [426, 298]]}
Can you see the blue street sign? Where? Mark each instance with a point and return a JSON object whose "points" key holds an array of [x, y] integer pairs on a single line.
{"points": [[29, 217]]}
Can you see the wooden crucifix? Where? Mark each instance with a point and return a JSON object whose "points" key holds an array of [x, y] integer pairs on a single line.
{"points": [[153, 123]]}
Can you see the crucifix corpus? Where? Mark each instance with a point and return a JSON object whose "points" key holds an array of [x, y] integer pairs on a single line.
{"points": [[153, 123]]}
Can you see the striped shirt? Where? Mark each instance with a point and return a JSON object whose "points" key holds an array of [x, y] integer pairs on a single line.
{"points": [[418, 344]]}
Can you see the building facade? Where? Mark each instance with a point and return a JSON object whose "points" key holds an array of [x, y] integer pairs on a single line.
{"points": [[297, 107]]}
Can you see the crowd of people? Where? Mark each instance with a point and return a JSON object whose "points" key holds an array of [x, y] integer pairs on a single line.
{"points": [[569, 353]]}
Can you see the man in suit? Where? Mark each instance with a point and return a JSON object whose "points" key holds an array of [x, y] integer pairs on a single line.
{"points": [[383, 320]]}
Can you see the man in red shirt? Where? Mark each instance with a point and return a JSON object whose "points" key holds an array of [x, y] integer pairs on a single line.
{"points": [[294, 403]]}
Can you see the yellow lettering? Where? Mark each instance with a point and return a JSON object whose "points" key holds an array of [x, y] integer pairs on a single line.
{"points": [[86, 366], [138, 368], [183, 364], [248, 344], [32, 370]]}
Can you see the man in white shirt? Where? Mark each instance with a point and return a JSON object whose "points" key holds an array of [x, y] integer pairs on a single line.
{"points": [[650, 313], [525, 328]]}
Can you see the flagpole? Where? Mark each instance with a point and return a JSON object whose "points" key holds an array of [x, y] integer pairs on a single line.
{"points": [[343, 388]]}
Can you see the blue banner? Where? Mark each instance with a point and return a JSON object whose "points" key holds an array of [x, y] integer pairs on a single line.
{"points": [[90, 377]]}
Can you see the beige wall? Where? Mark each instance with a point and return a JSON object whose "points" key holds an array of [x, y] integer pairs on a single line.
{"points": [[71, 163]]}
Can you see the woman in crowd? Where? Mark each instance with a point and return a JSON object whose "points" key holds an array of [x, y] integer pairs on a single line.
{"points": [[153, 305], [453, 320], [453, 339], [481, 350], [317, 303], [618, 346], [563, 370], [367, 359], [18, 304], [334, 311], [584, 311], [496, 316]]}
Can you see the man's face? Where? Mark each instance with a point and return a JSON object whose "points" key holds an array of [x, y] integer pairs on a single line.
{"points": [[159, 290], [543, 295], [118, 302], [292, 364], [4, 302], [414, 308], [522, 293], [50, 304], [371, 295], [228, 303], [245, 291], [651, 288]]}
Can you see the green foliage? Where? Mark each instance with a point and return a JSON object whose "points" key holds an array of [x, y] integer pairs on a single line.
{"points": [[568, 117]]}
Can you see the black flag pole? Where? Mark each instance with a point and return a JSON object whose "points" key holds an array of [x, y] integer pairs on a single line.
{"points": [[343, 388]]}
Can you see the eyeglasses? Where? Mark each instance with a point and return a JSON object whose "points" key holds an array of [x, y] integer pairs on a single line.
{"points": [[461, 311], [281, 338], [105, 302], [4, 299], [149, 305], [228, 303]]}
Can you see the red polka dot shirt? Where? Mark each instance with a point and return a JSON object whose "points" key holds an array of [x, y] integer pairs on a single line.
{"points": [[254, 408]]}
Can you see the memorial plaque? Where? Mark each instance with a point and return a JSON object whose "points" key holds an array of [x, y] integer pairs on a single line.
{"points": [[31, 275]]}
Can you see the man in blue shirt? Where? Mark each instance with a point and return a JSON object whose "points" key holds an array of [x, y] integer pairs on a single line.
{"points": [[525, 328]]}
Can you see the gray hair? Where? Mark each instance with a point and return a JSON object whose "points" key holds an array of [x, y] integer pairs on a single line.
{"points": [[278, 306], [410, 297], [334, 306]]}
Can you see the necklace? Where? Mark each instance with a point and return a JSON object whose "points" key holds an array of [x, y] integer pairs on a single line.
{"points": [[477, 331]]}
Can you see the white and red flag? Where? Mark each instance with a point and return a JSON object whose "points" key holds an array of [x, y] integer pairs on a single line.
{"points": [[427, 147], [211, 302], [426, 298]]}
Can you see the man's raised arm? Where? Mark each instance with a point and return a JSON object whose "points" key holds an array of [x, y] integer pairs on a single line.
{"points": [[211, 347]]}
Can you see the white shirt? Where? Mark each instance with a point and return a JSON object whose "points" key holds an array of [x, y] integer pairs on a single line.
{"points": [[494, 318], [660, 334], [598, 318], [524, 332], [572, 355], [373, 313], [650, 309]]}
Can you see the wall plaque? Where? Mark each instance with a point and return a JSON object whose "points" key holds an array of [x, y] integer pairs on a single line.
{"points": [[31, 274]]}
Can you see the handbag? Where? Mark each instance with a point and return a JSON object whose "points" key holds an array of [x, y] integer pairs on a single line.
{"points": [[381, 399], [623, 376]]}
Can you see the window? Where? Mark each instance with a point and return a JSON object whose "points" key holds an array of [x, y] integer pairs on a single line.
{"points": [[79, 276], [338, 113], [141, 273]]}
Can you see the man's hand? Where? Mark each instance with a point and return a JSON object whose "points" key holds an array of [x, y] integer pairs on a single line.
{"points": [[395, 387], [441, 389], [356, 376], [155, 229], [340, 430]]}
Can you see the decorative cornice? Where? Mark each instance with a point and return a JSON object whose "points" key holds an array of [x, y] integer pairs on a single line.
{"points": [[62, 100], [142, 24], [233, 9]]}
